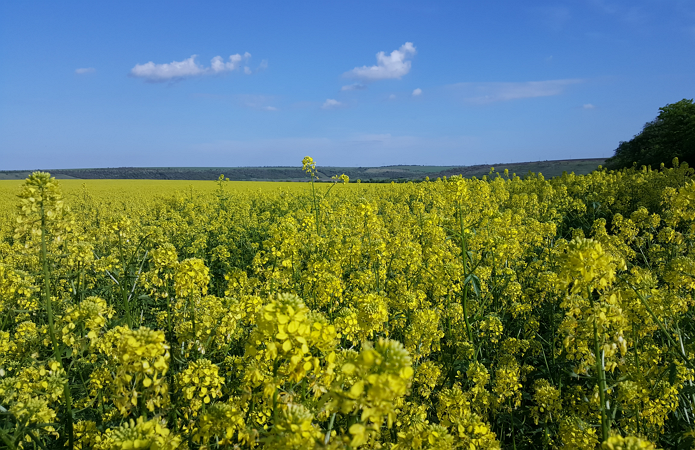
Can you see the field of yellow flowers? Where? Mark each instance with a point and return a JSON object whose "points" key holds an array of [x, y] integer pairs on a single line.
{"points": [[503, 312]]}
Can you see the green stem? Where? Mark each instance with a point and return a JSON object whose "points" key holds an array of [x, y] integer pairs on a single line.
{"points": [[316, 210], [51, 326], [170, 333], [512, 421], [100, 416], [191, 303], [680, 341], [6, 439], [330, 428], [552, 345], [275, 409], [47, 286], [464, 252], [637, 363], [121, 284], [601, 375], [662, 327], [68, 413]]}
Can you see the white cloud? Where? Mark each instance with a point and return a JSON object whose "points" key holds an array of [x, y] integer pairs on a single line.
{"points": [[417, 92], [331, 104], [263, 65], [177, 70], [482, 93], [84, 70], [388, 67], [392, 97], [247, 70], [353, 87], [588, 106], [218, 65], [163, 72]]}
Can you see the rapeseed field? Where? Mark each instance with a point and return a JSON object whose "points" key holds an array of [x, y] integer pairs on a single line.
{"points": [[503, 312]]}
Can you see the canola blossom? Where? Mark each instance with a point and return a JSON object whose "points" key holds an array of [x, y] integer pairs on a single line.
{"points": [[502, 312]]}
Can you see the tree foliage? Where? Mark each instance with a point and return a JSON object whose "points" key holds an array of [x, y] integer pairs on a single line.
{"points": [[670, 135]]}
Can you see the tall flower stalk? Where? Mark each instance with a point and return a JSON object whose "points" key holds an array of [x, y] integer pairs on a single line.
{"points": [[589, 272], [43, 214]]}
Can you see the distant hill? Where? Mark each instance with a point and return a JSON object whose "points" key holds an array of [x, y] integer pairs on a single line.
{"points": [[366, 174]]}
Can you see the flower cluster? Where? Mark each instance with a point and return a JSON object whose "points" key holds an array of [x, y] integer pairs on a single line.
{"points": [[84, 321], [140, 359], [200, 383], [375, 378], [135, 434]]}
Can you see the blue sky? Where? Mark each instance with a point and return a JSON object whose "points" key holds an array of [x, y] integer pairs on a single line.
{"points": [[351, 83]]}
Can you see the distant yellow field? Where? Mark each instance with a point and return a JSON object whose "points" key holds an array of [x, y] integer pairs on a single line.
{"points": [[128, 194], [112, 189], [125, 195], [154, 187]]}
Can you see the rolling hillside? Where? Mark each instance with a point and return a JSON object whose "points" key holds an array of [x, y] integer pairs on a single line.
{"points": [[366, 174]]}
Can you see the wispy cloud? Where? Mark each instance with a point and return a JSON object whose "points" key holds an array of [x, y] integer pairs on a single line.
{"points": [[555, 17], [259, 102], [332, 104], [84, 70], [388, 67], [188, 68], [261, 67], [250, 101], [353, 87], [482, 93], [417, 92], [625, 11], [588, 106]]}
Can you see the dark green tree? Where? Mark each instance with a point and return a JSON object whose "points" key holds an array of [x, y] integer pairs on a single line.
{"points": [[670, 135]]}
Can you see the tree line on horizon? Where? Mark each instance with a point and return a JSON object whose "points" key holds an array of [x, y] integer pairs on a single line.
{"points": [[670, 135]]}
